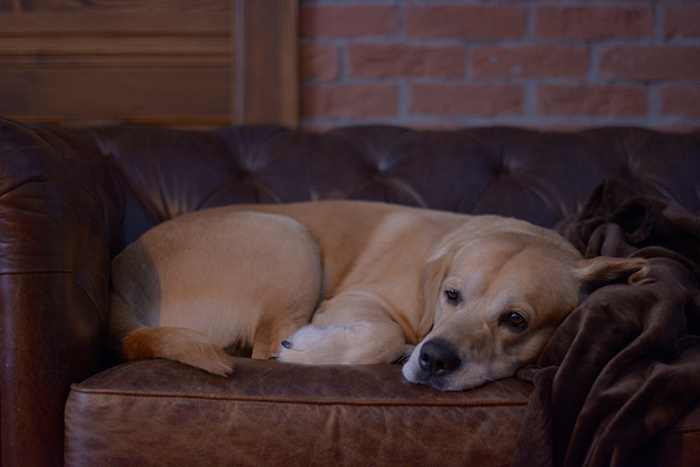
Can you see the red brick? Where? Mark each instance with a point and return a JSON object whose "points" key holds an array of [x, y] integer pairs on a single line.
{"points": [[484, 100], [682, 21], [347, 21], [592, 101], [348, 101], [479, 22], [593, 23], [680, 100], [317, 61], [395, 60], [650, 62], [530, 61]]}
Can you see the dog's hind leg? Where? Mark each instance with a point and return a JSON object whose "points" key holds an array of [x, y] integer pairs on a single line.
{"points": [[194, 286]]}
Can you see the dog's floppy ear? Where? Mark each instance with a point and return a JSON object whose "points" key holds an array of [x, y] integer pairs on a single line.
{"points": [[431, 277], [597, 271]]}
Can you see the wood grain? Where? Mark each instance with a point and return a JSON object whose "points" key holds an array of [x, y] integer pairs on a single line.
{"points": [[118, 92], [267, 71], [163, 22], [161, 62]]}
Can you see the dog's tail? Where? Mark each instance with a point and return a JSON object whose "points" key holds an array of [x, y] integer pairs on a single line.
{"points": [[131, 340], [181, 344]]}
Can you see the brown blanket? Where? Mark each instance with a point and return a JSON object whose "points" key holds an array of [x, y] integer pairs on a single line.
{"points": [[626, 363]]}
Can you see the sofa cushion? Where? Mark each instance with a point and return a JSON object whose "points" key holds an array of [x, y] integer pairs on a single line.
{"points": [[266, 413]]}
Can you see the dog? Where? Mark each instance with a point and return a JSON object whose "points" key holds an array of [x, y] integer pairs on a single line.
{"points": [[352, 282]]}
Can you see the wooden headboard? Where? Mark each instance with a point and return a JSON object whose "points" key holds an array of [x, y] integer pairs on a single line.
{"points": [[192, 63]]}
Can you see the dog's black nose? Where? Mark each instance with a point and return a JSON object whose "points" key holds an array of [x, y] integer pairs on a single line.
{"points": [[437, 358]]}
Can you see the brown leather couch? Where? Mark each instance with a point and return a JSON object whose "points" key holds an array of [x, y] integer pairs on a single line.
{"points": [[71, 199]]}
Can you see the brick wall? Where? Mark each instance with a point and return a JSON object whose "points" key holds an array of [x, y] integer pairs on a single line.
{"points": [[542, 64]]}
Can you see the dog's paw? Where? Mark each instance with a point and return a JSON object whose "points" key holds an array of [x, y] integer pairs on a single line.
{"points": [[286, 345], [362, 343], [308, 345]]}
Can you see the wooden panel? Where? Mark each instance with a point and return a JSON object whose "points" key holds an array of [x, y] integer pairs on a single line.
{"points": [[163, 62], [197, 19], [138, 46], [86, 92], [267, 55]]}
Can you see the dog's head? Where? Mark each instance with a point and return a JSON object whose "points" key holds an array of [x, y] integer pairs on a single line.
{"points": [[495, 299]]}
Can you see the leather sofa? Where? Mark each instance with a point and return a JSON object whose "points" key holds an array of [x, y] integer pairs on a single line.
{"points": [[71, 199]]}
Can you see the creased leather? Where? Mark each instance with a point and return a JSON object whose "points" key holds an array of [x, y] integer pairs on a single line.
{"points": [[72, 199], [278, 414]]}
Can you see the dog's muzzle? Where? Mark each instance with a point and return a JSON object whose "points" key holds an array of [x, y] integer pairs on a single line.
{"points": [[437, 359]]}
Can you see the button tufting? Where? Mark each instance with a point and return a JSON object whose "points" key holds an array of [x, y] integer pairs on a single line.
{"points": [[484, 170]]}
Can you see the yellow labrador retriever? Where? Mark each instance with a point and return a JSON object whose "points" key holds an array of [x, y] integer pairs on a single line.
{"points": [[347, 282]]}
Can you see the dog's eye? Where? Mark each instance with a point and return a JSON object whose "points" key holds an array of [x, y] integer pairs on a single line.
{"points": [[452, 296], [515, 320]]}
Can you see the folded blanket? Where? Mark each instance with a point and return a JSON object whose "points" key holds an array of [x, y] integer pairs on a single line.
{"points": [[626, 363]]}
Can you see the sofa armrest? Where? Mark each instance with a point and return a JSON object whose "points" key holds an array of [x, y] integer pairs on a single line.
{"points": [[54, 279]]}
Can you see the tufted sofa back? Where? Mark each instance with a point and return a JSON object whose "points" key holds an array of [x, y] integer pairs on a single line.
{"points": [[539, 177], [72, 199]]}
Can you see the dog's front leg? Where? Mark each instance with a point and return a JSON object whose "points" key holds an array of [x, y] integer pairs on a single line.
{"points": [[351, 328]]}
